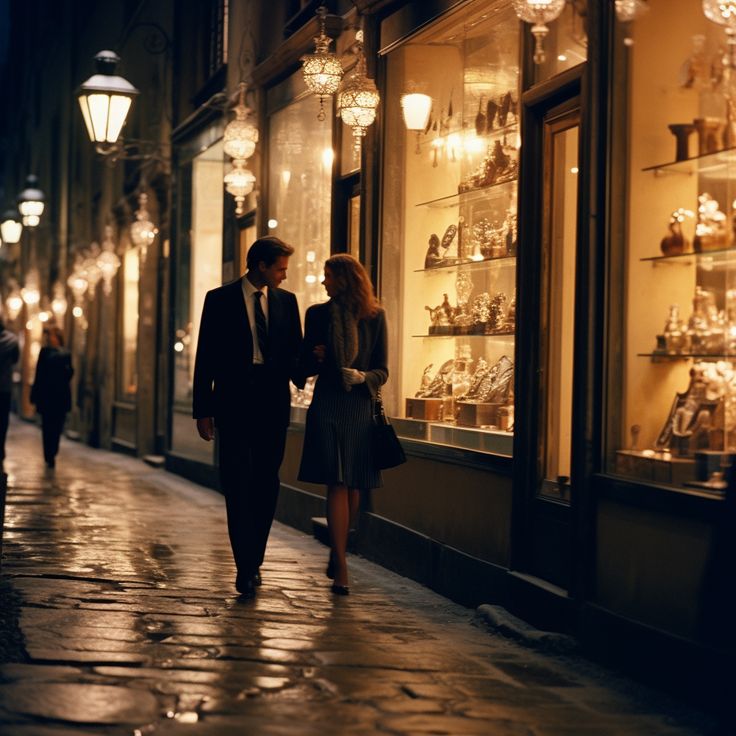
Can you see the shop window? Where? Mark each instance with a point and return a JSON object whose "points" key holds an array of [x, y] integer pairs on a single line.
{"points": [[672, 374], [448, 267], [299, 197], [128, 372], [199, 269]]}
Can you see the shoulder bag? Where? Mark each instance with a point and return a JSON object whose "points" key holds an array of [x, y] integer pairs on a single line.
{"points": [[387, 450]]}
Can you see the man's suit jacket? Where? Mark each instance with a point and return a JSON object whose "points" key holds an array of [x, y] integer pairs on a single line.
{"points": [[225, 378]]}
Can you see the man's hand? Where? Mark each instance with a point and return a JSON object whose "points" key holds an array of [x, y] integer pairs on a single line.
{"points": [[352, 376], [206, 428]]}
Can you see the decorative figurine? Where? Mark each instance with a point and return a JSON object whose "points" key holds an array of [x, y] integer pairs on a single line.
{"points": [[710, 231], [675, 336], [480, 119], [675, 242], [433, 257], [497, 313]]}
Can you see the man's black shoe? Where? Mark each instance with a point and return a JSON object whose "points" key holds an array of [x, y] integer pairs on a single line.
{"points": [[257, 578], [245, 585]]}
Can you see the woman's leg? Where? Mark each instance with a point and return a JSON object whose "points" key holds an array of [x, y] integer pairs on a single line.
{"points": [[338, 525]]}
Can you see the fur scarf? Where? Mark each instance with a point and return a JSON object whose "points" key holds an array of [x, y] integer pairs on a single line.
{"points": [[343, 335]]}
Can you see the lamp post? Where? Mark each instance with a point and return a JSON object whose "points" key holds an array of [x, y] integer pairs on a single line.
{"points": [[105, 99]]}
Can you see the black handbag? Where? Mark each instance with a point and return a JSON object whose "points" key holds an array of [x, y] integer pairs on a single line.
{"points": [[387, 450]]}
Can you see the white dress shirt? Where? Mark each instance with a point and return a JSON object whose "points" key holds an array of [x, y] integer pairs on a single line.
{"points": [[248, 291]]}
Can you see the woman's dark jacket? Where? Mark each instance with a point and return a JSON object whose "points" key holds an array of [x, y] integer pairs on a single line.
{"points": [[50, 392], [372, 355]]}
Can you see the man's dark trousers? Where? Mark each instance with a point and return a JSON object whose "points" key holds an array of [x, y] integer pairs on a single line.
{"points": [[250, 453]]}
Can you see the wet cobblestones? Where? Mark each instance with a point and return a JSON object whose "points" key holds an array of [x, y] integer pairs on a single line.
{"points": [[119, 616]]}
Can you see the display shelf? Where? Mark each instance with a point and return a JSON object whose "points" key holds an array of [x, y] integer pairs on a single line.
{"points": [[722, 256], [686, 356], [492, 441], [496, 190], [457, 334], [470, 265], [426, 142], [709, 164]]}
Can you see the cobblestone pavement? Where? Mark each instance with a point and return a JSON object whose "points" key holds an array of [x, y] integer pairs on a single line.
{"points": [[119, 578]]}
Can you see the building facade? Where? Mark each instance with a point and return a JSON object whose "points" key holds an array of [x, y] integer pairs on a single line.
{"points": [[529, 232]]}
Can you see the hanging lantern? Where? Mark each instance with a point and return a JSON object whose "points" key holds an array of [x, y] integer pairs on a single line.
{"points": [[91, 270], [77, 283], [358, 98], [58, 303], [722, 12], [322, 70], [143, 232], [239, 182], [628, 10], [240, 136], [30, 292], [108, 261], [14, 303], [31, 202], [538, 13]]}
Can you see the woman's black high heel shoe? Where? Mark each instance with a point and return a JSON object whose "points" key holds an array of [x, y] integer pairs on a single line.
{"points": [[340, 589]]}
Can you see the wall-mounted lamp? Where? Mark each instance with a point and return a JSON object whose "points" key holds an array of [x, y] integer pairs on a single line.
{"points": [[10, 227], [31, 202], [105, 99], [415, 108]]}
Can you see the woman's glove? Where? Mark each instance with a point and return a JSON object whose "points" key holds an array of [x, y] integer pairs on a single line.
{"points": [[352, 376]]}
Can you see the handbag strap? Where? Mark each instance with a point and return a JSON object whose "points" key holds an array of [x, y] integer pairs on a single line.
{"points": [[379, 413]]}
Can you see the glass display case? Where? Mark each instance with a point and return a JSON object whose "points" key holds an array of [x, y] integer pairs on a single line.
{"points": [[677, 420], [448, 273]]}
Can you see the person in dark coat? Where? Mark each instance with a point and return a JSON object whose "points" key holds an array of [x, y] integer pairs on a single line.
{"points": [[248, 347], [8, 358], [50, 392], [346, 345]]}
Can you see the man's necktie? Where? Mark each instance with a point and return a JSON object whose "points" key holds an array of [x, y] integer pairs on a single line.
{"points": [[261, 326]]}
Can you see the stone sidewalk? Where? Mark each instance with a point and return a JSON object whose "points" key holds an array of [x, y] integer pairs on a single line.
{"points": [[119, 617]]}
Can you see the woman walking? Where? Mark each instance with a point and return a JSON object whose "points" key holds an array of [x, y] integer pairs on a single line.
{"points": [[345, 344], [51, 393]]}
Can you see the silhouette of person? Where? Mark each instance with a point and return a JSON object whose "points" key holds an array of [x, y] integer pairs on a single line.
{"points": [[9, 354]]}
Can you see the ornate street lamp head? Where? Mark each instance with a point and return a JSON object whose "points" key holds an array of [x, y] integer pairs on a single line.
{"points": [[105, 99], [10, 227], [31, 202], [322, 70]]}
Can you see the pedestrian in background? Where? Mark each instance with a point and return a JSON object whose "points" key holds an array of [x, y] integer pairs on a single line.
{"points": [[50, 392], [8, 358], [345, 344], [248, 347]]}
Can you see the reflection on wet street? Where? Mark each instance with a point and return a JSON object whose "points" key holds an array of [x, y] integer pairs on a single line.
{"points": [[120, 617]]}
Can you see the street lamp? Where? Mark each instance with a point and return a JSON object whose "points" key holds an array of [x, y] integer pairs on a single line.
{"points": [[10, 227], [31, 202], [105, 99]]}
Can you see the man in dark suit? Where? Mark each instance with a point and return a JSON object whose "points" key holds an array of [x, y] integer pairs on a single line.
{"points": [[249, 341]]}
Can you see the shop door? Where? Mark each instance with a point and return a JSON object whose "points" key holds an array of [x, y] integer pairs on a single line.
{"points": [[547, 489]]}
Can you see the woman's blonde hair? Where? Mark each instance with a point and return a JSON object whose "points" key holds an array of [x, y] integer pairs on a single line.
{"points": [[354, 287]]}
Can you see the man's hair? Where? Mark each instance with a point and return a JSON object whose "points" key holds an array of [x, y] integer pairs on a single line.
{"points": [[267, 249]]}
